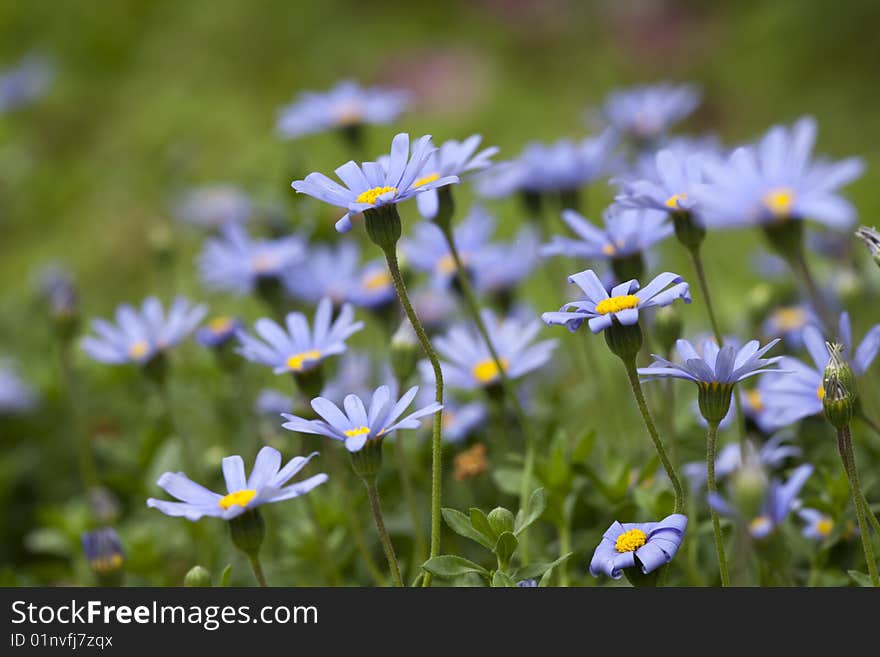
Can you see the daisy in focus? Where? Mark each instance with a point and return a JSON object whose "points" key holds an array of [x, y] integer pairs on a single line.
{"points": [[642, 545]]}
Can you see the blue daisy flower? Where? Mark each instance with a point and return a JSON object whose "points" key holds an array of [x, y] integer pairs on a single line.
{"points": [[600, 309], [103, 550], [467, 362], [214, 206], [359, 424], [713, 365], [371, 185], [140, 335], [627, 232], [777, 180], [647, 112], [642, 545], [780, 499], [501, 267], [671, 188], [266, 484], [326, 271], [26, 83], [789, 322], [218, 331], [771, 455], [347, 104], [819, 525], [300, 348], [452, 158], [235, 263], [373, 287], [16, 396]]}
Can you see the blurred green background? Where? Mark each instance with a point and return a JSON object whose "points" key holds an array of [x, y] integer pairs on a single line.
{"points": [[153, 97]]}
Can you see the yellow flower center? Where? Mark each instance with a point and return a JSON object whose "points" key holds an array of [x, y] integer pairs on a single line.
{"points": [[446, 264], [609, 249], [264, 262], [672, 201], [758, 524], [371, 195], [349, 114], [378, 280], [631, 540], [789, 319], [220, 324], [106, 564], [487, 371], [360, 431], [616, 304], [779, 201], [424, 180], [753, 399], [820, 392], [139, 349], [824, 526], [239, 498], [298, 361]]}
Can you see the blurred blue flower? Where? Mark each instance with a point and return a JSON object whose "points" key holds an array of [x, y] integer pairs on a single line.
{"points": [[435, 307], [643, 545], [789, 322], [374, 287], [213, 206], [103, 550], [627, 231], [713, 364], [428, 251], [527, 583], [218, 331], [354, 375], [779, 501], [271, 402], [647, 112], [623, 304], [16, 396], [346, 104], [673, 186], [139, 335], [26, 83], [327, 270], [501, 267], [561, 166], [57, 288], [771, 455], [453, 158], [819, 525], [265, 485], [299, 348], [235, 263], [777, 180], [467, 362], [371, 185], [459, 419], [357, 424]]}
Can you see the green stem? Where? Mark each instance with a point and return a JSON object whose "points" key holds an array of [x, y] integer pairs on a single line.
{"points": [[711, 437], [678, 491], [436, 446], [85, 458], [564, 548], [354, 527], [258, 570], [509, 391], [719, 338], [844, 445], [376, 507], [802, 268]]}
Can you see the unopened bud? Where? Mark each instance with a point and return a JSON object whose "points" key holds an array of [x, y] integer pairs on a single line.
{"points": [[501, 520], [248, 531], [197, 577], [405, 352], [714, 399], [871, 238], [839, 390]]}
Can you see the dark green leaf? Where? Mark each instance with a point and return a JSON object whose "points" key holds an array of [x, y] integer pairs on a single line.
{"points": [[225, 575], [534, 508], [452, 566], [506, 546], [502, 580], [461, 525], [537, 569]]}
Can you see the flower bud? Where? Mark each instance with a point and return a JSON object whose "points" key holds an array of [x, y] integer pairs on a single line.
{"points": [[248, 531], [749, 485], [383, 226], [501, 520], [871, 238], [197, 577], [714, 399], [367, 461], [786, 238], [688, 230], [839, 390], [624, 341], [405, 350], [667, 327]]}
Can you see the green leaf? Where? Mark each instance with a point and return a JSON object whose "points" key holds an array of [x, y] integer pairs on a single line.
{"points": [[506, 546], [859, 578], [225, 575], [461, 525], [450, 565], [534, 508], [537, 569], [584, 446], [502, 580], [480, 522], [507, 479]]}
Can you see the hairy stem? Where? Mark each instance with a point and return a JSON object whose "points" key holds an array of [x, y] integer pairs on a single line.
{"points": [[844, 445], [376, 507], [711, 437]]}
